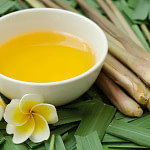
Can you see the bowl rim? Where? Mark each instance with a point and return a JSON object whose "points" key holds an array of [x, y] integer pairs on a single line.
{"points": [[93, 68]]}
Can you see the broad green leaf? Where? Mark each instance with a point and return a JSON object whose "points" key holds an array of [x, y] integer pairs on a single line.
{"points": [[119, 115], [144, 121], [32, 145], [129, 12], [128, 119], [142, 10], [64, 128], [47, 144], [89, 142], [122, 117], [130, 132], [70, 142], [6, 6], [128, 16], [59, 145], [105, 147], [8, 145], [110, 138], [41, 147], [133, 3], [124, 145], [68, 116], [97, 118]]}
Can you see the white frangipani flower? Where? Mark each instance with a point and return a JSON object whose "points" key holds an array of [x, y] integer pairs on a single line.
{"points": [[29, 118]]}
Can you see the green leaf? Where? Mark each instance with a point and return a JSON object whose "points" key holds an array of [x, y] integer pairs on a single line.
{"points": [[122, 117], [3, 125], [59, 145], [94, 93], [6, 6], [68, 116], [70, 142], [89, 142], [47, 144], [52, 143], [124, 145], [130, 132], [94, 4], [133, 3], [128, 119], [110, 138], [2, 138], [97, 118], [144, 121], [41, 147], [32, 145], [142, 10], [141, 37], [64, 128], [72, 3], [105, 147], [8, 145], [119, 115]]}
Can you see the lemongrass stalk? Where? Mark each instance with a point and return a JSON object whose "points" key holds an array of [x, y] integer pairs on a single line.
{"points": [[124, 23], [109, 27], [146, 31], [140, 53], [65, 5], [23, 4], [49, 3], [36, 3], [137, 64], [126, 79], [110, 14], [122, 101]]}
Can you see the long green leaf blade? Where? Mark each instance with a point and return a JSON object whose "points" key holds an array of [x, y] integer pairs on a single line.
{"points": [[59, 145], [64, 128], [8, 145], [124, 145], [97, 119], [110, 138], [130, 132], [89, 142], [32, 145], [68, 116]]}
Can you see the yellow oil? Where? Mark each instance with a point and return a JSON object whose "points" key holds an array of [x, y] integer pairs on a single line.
{"points": [[45, 56]]}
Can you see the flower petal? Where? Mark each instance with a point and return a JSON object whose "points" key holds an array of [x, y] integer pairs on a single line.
{"points": [[22, 133], [48, 111], [10, 129], [1, 112], [28, 101], [13, 114], [41, 131]]}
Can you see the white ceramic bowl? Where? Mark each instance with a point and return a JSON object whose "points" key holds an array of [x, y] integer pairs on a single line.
{"points": [[60, 92]]}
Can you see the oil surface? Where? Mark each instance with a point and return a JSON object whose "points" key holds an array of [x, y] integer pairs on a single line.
{"points": [[45, 56]]}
